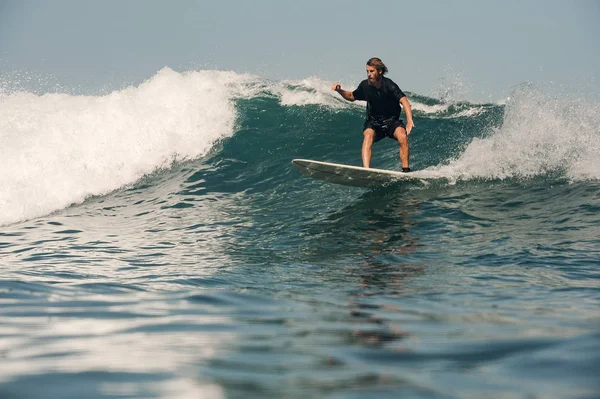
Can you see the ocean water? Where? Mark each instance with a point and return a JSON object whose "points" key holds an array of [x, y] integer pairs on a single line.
{"points": [[155, 242]]}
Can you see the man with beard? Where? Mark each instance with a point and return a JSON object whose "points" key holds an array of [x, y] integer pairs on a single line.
{"points": [[384, 100]]}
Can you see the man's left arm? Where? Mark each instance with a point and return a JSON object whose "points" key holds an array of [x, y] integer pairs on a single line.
{"points": [[408, 110]]}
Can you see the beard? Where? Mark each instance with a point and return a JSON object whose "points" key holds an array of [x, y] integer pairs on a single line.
{"points": [[373, 81]]}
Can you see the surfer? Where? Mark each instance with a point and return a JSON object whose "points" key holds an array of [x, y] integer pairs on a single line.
{"points": [[384, 100]]}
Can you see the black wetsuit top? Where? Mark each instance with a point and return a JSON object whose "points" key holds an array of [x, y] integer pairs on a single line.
{"points": [[383, 103]]}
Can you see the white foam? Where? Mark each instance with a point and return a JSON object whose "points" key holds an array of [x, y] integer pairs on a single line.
{"points": [[310, 91], [540, 134], [443, 110], [429, 109], [58, 149]]}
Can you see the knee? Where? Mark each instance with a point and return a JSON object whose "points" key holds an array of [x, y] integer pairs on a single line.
{"points": [[401, 136], [369, 137]]}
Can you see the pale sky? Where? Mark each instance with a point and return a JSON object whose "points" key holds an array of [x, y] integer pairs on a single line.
{"points": [[486, 47]]}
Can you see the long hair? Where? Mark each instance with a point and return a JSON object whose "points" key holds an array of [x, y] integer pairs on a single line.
{"points": [[378, 64]]}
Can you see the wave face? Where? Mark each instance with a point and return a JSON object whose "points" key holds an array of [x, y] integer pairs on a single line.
{"points": [[59, 149], [157, 242]]}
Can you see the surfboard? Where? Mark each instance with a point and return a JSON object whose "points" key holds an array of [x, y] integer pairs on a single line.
{"points": [[349, 175]]}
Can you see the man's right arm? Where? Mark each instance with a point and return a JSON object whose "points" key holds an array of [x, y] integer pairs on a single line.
{"points": [[347, 95]]}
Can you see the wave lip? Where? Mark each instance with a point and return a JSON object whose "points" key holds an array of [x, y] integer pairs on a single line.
{"points": [[59, 149]]}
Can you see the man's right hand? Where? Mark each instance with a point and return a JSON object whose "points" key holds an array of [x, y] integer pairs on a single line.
{"points": [[346, 95]]}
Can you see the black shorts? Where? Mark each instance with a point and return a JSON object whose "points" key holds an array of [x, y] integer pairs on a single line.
{"points": [[384, 128]]}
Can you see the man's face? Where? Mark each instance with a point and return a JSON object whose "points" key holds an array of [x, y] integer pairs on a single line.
{"points": [[373, 76]]}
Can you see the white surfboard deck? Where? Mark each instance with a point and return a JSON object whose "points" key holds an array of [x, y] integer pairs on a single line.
{"points": [[352, 175]]}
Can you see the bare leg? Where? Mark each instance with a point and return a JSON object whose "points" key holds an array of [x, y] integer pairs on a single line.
{"points": [[367, 146], [401, 136]]}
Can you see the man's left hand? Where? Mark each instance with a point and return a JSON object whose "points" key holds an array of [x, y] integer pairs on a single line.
{"points": [[409, 126]]}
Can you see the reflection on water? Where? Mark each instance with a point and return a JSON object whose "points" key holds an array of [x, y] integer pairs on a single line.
{"points": [[380, 228]]}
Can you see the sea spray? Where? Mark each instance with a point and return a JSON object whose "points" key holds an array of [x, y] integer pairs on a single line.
{"points": [[540, 134]]}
